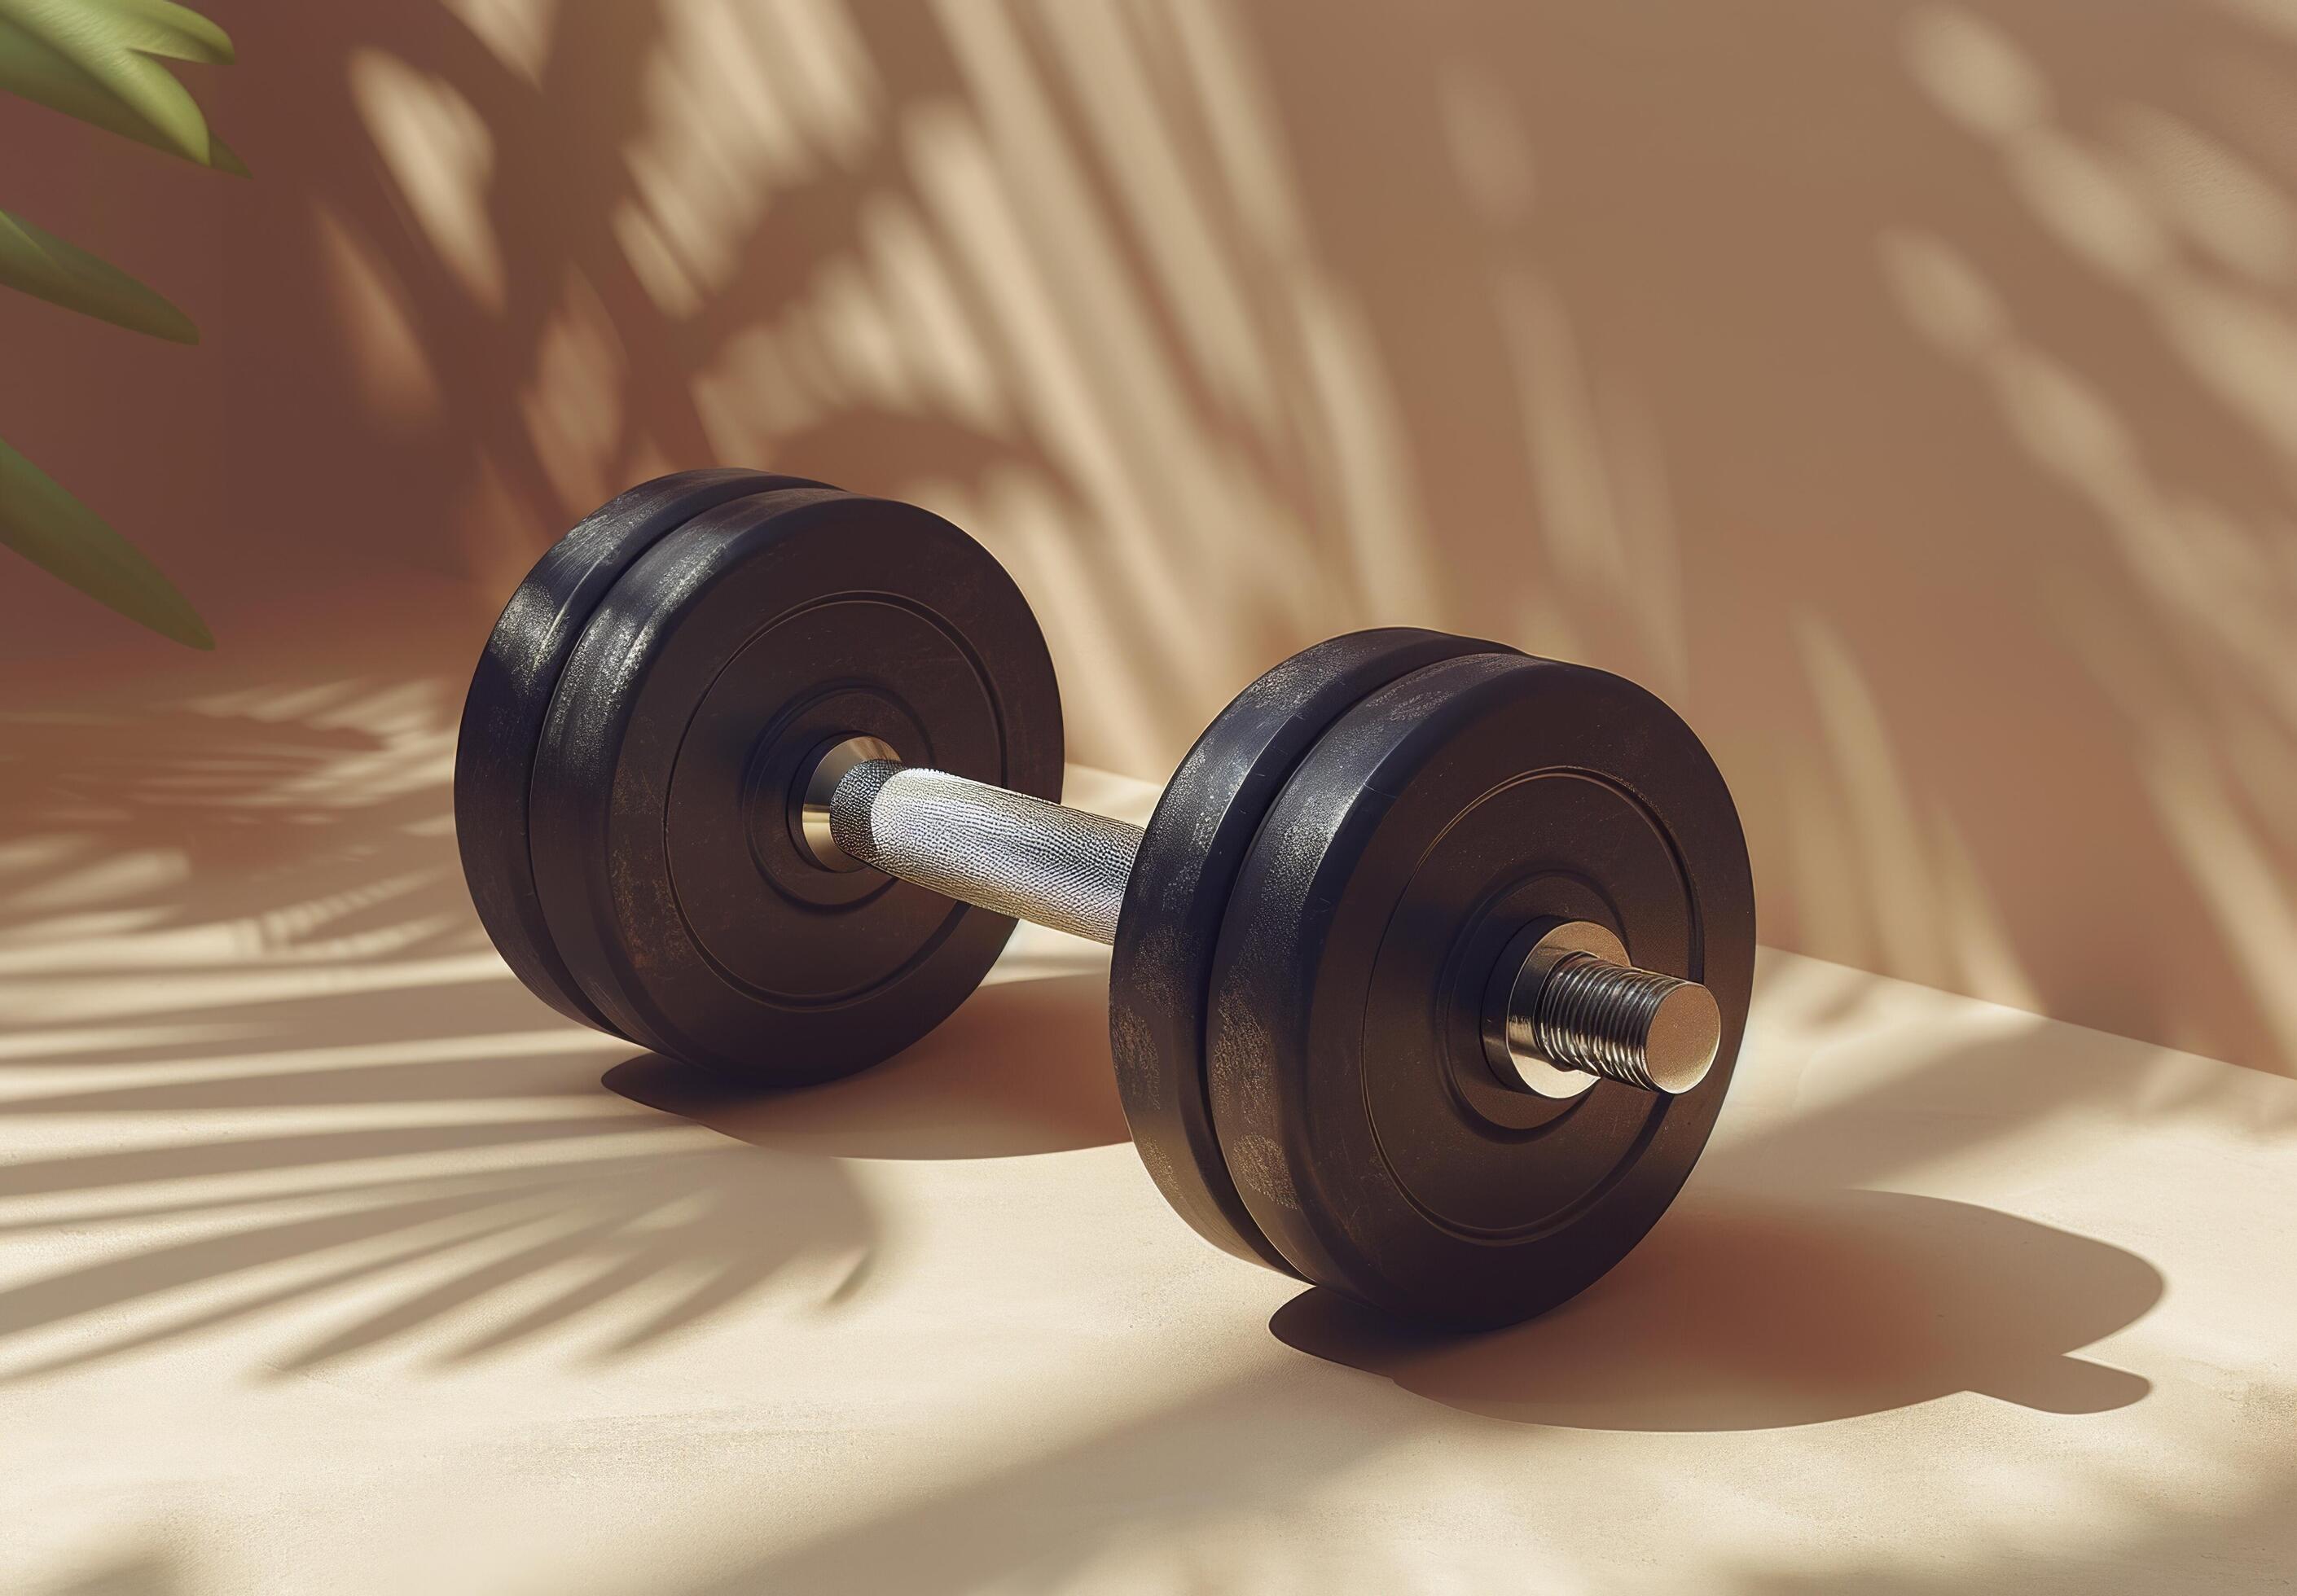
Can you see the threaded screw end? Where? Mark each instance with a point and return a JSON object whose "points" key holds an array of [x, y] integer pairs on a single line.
{"points": [[1627, 1024], [1567, 1007]]}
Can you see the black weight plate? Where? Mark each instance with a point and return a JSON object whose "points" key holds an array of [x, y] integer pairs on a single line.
{"points": [[1367, 1136], [510, 693], [1161, 970], [669, 877]]}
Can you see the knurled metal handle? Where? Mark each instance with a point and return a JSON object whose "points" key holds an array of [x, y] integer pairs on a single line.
{"points": [[987, 845]]}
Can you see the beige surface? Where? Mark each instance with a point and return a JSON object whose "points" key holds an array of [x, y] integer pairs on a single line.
{"points": [[1901, 387], [331, 1260]]}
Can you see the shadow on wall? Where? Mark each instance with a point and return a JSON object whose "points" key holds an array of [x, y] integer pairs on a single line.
{"points": [[1904, 391]]}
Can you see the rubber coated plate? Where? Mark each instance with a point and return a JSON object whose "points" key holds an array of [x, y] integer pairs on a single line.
{"points": [[1367, 1136], [669, 875], [1161, 970], [510, 695]]}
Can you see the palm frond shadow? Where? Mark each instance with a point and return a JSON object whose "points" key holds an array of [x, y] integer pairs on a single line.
{"points": [[319, 1099], [560, 175]]}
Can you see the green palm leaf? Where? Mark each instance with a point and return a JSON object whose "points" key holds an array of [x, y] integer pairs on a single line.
{"points": [[54, 530], [99, 59], [44, 266]]}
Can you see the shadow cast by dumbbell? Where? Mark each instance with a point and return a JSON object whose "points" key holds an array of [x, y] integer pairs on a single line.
{"points": [[1023, 1068], [1739, 1312]]}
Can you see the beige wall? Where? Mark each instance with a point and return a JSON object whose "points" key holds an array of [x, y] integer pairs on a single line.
{"points": [[1908, 392]]}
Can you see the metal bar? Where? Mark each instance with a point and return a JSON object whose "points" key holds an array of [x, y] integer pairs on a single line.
{"points": [[985, 845]]}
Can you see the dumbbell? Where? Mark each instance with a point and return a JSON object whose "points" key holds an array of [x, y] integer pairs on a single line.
{"points": [[1428, 971]]}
